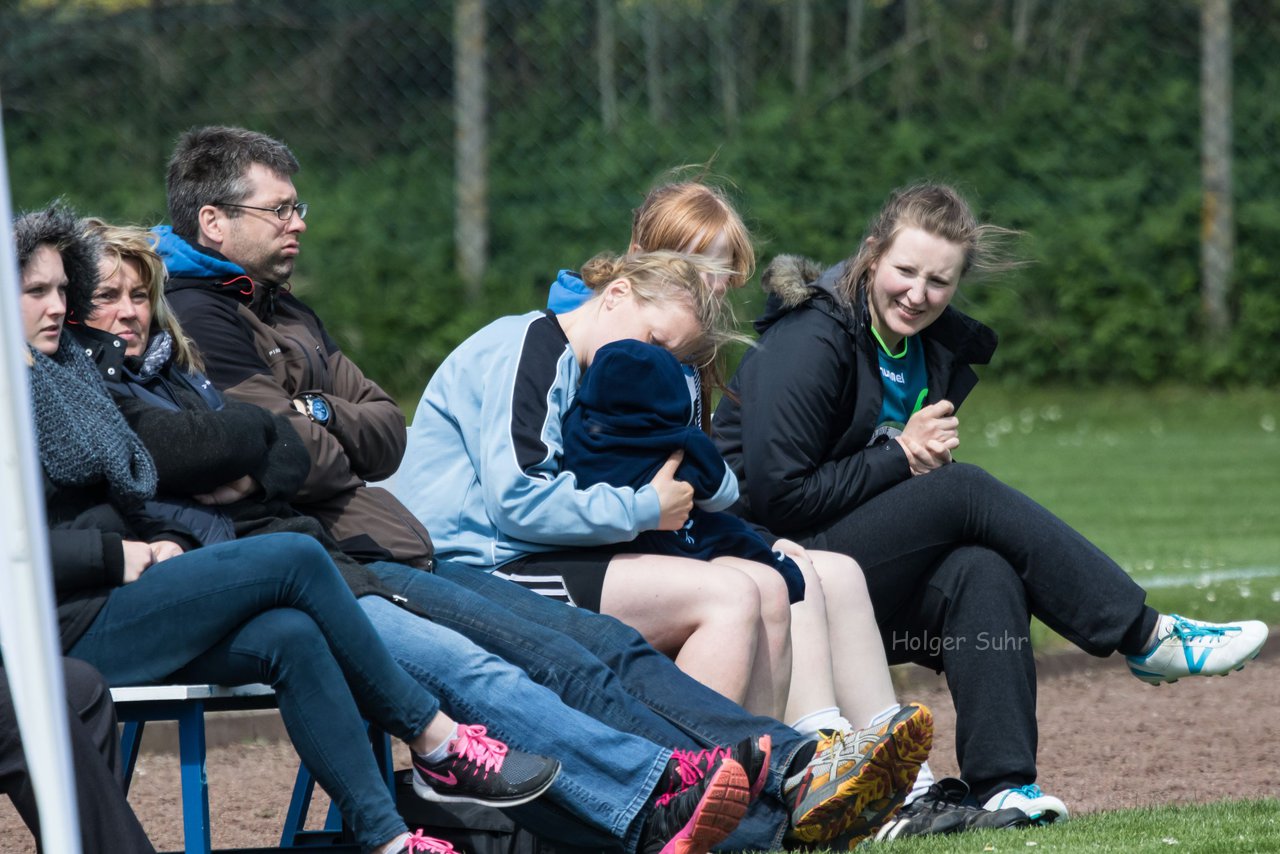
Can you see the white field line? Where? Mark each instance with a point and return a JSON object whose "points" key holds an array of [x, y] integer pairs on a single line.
{"points": [[1204, 577]]}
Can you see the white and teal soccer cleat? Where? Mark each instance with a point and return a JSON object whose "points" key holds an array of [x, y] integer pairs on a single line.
{"points": [[1035, 804], [1186, 647]]}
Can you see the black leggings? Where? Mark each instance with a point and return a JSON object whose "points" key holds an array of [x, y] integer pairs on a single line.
{"points": [[956, 564]]}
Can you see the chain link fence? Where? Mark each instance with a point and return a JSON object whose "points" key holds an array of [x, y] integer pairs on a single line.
{"points": [[457, 154]]}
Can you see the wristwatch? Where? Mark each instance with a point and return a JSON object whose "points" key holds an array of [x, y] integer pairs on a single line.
{"points": [[316, 408]]}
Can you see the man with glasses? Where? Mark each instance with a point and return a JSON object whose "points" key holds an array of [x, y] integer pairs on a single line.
{"points": [[230, 252], [237, 223]]}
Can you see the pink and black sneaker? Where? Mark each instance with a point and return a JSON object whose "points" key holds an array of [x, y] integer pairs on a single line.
{"points": [[687, 767], [483, 770], [700, 817]]}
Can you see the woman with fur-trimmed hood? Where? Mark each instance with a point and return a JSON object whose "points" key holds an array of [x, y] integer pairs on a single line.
{"points": [[841, 426]]}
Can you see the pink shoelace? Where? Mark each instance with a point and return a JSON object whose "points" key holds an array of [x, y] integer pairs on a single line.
{"points": [[692, 766], [474, 744], [429, 844]]}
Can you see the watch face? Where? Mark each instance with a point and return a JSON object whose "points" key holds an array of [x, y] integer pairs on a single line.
{"points": [[319, 410]]}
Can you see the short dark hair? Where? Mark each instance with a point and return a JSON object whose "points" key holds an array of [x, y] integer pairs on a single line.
{"points": [[208, 166], [59, 227]]}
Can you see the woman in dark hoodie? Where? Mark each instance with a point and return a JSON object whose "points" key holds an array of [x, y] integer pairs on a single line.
{"points": [[138, 599], [840, 426]]}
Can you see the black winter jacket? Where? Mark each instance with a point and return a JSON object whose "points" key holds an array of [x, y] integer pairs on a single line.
{"points": [[804, 402], [199, 442]]}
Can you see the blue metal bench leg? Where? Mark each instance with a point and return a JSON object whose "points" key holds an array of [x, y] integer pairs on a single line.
{"points": [[130, 740], [334, 828], [195, 783]]}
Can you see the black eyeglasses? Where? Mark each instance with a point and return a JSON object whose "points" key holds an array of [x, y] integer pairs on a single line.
{"points": [[282, 212]]}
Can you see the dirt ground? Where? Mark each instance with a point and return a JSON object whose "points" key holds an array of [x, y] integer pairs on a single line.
{"points": [[1107, 741]]}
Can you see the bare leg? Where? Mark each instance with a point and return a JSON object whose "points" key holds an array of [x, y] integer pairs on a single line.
{"points": [[771, 679], [861, 671], [812, 681], [703, 615]]}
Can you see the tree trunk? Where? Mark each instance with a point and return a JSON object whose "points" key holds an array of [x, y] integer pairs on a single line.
{"points": [[726, 61], [1022, 12], [1217, 239], [906, 80], [653, 64], [853, 40], [471, 231], [801, 45], [607, 63]]}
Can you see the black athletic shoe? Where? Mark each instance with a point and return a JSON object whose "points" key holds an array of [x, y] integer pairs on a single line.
{"points": [[700, 817], [483, 770], [942, 810]]}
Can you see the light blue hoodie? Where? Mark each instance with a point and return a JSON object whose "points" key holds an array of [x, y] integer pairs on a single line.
{"points": [[482, 470]]}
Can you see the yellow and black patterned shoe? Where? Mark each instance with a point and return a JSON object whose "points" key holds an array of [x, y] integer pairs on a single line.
{"points": [[858, 777]]}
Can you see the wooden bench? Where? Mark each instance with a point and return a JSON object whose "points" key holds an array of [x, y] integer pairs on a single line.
{"points": [[187, 705]]}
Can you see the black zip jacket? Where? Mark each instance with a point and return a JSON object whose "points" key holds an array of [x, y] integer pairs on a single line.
{"points": [[804, 402]]}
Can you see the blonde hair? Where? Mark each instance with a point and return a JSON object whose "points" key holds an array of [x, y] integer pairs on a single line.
{"points": [[936, 209], [674, 216], [131, 243], [673, 277]]}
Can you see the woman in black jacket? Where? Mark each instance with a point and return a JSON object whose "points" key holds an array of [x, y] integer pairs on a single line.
{"points": [[141, 602], [840, 426]]}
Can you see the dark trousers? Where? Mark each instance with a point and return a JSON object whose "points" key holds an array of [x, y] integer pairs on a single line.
{"points": [[107, 824], [956, 564]]}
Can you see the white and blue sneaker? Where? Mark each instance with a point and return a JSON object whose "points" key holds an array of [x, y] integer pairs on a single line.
{"points": [[1038, 807], [1195, 648]]}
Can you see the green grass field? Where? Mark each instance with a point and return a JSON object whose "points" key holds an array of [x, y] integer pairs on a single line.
{"points": [[1180, 486], [1226, 827]]}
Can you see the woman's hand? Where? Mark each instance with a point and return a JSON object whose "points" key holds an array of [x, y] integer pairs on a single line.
{"points": [[230, 492], [137, 558], [930, 436], [791, 549], [675, 497], [163, 550]]}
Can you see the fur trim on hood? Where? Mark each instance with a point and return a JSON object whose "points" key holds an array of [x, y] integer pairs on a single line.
{"points": [[58, 226], [792, 280]]}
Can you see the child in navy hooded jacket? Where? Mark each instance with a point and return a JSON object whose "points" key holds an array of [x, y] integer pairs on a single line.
{"points": [[632, 412]]}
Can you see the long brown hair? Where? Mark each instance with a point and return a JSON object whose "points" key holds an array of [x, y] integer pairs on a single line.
{"points": [[938, 210]]}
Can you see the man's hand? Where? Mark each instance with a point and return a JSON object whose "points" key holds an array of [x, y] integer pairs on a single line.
{"points": [[675, 497], [230, 492], [930, 436]]}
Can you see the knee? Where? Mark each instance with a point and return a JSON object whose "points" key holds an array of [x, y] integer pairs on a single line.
{"points": [[965, 476], [845, 587], [291, 636], [775, 605], [974, 577], [737, 599], [87, 691]]}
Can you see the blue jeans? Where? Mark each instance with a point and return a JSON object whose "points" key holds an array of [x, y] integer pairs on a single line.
{"points": [[271, 609], [604, 668], [606, 776]]}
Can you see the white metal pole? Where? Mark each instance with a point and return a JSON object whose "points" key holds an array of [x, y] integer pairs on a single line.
{"points": [[28, 628]]}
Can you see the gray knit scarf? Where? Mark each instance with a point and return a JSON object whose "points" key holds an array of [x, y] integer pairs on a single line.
{"points": [[83, 437]]}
